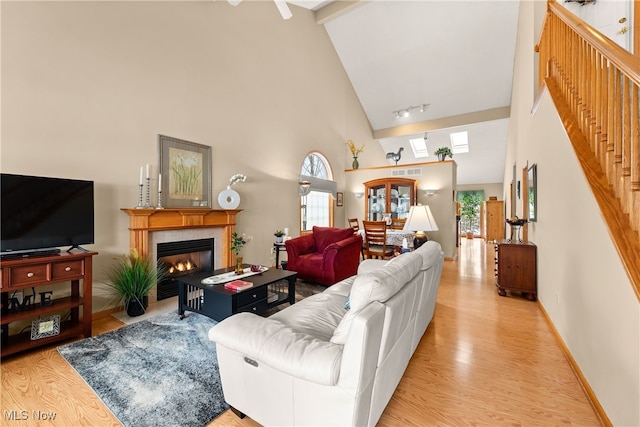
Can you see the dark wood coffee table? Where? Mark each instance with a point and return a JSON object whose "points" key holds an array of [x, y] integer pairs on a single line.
{"points": [[270, 288]]}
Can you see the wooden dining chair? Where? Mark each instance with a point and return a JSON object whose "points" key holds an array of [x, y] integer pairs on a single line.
{"points": [[353, 223], [375, 237], [397, 223]]}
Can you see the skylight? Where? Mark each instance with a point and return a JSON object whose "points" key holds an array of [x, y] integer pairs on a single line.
{"points": [[419, 147], [459, 142]]}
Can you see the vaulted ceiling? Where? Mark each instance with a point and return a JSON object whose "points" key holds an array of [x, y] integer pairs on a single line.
{"points": [[456, 57]]}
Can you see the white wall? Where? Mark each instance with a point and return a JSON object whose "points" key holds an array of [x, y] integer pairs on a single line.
{"points": [[581, 282], [88, 86], [605, 16]]}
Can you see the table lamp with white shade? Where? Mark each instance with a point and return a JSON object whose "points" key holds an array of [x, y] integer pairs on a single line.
{"points": [[420, 220]]}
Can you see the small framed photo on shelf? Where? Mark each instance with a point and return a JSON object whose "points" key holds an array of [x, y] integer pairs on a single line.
{"points": [[339, 198], [185, 168], [44, 327]]}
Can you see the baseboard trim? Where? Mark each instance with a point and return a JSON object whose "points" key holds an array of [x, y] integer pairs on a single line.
{"points": [[107, 312], [591, 396]]}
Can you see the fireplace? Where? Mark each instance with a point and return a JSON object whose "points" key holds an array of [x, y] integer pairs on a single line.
{"points": [[150, 227], [182, 258]]}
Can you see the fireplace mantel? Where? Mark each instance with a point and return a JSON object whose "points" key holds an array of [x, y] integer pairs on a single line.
{"points": [[145, 221]]}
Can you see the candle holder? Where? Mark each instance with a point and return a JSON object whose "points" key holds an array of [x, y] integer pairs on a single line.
{"points": [[147, 203], [139, 197], [159, 200]]}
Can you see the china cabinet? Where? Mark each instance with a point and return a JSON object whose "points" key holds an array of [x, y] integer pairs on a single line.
{"points": [[389, 198]]}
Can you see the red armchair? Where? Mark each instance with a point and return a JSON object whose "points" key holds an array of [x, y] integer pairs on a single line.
{"points": [[325, 256]]}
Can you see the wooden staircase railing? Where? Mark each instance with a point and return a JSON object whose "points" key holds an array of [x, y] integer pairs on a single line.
{"points": [[595, 85]]}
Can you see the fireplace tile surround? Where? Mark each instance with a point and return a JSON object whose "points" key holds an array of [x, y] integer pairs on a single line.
{"points": [[148, 227]]}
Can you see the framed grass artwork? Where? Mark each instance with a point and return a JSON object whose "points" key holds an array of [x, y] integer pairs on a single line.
{"points": [[185, 168]]}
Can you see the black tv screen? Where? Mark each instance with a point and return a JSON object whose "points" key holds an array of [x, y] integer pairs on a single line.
{"points": [[42, 213]]}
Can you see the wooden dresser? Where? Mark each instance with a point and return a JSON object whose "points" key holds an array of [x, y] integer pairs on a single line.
{"points": [[516, 265]]}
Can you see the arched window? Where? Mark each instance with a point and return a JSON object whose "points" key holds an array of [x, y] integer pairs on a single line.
{"points": [[316, 207]]}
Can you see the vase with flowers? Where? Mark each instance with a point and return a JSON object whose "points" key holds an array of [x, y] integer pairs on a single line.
{"points": [[238, 241], [354, 152], [516, 223]]}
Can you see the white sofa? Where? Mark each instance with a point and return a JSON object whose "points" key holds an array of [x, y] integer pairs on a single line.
{"points": [[317, 363]]}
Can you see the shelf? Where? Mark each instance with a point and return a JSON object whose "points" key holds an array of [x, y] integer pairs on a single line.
{"points": [[282, 296], [20, 342], [38, 310]]}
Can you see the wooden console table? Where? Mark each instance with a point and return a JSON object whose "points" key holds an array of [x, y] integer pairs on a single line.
{"points": [[26, 273]]}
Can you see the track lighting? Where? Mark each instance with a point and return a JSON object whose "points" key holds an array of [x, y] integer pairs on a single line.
{"points": [[405, 112]]}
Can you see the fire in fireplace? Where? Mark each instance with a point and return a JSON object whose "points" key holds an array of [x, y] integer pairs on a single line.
{"points": [[182, 258], [181, 267]]}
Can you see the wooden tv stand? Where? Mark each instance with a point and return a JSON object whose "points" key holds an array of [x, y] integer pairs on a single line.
{"points": [[38, 272]]}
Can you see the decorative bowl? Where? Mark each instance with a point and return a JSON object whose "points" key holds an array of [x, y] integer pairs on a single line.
{"points": [[516, 221], [256, 268]]}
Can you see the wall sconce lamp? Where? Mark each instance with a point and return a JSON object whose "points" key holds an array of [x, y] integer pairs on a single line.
{"points": [[430, 192], [304, 188], [359, 194]]}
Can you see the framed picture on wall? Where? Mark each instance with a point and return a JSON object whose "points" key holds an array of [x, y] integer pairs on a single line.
{"points": [[512, 202], [532, 192], [339, 198], [185, 173]]}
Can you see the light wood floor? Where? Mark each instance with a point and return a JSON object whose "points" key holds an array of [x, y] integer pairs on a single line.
{"points": [[485, 360]]}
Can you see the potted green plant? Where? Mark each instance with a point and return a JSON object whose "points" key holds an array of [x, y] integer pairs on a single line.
{"points": [[469, 208], [443, 152], [279, 236], [132, 278]]}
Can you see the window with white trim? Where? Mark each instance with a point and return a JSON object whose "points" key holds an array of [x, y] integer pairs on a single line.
{"points": [[316, 207]]}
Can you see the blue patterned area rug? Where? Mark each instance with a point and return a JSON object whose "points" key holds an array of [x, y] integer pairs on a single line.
{"points": [[157, 372]]}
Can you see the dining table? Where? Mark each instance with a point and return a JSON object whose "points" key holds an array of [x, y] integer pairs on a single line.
{"points": [[395, 237]]}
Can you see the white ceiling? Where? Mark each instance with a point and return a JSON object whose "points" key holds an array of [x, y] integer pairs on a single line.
{"points": [[456, 56]]}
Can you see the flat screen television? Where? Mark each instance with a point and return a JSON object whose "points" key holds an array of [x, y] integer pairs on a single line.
{"points": [[41, 214]]}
